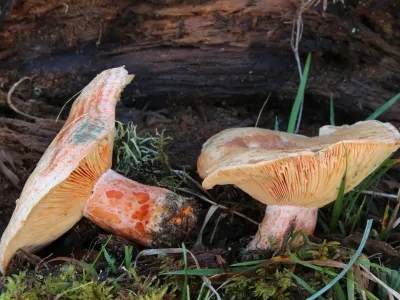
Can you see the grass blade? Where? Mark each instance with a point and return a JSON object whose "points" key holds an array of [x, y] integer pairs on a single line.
{"points": [[349, 265], [389, 226], [185, 288], [332, 111], [350, 285], [128, 256], [337, 209], [211, 211], [304, 284], [339, 292], [384, 107], [299, 97], [110, 261], [249, 263], [196, 272], [356, 218], [380, 282]]}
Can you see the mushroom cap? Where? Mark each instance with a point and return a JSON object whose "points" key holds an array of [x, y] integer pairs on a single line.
{"points": [[279, 168], [54, 195]]}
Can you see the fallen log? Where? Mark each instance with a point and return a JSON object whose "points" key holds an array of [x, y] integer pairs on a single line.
{"points": [[213, 49]]}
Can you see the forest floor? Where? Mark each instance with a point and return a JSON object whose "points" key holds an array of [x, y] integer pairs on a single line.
{"points": [[225, 236]]}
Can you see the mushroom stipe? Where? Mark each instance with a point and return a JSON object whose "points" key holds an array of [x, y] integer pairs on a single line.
{"points": [[146, 214], [73, 179]]}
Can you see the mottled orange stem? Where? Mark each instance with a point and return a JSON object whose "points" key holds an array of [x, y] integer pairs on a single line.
{"points": [[146, 214]]}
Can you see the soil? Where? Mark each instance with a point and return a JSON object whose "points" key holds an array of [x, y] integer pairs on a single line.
{"points": [[23, 141]]}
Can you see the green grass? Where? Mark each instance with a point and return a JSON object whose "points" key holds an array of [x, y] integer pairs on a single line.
{"points": [[330, 277], [338, 206], [346, 211], [331, 111], [384, 107], [295, 114], [344, 215], [256, 279], [320, 270]]}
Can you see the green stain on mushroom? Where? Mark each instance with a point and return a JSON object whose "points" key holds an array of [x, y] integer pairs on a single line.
{"points": [[88, 131]]}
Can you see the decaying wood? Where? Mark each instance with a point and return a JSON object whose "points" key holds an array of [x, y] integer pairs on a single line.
{"points": [[21, 146], [7, 171], [207, 49], [5, 7]]}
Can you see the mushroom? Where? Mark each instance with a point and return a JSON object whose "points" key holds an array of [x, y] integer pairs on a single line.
{"points": [[73, 179], [294, 175], [149, 215]]}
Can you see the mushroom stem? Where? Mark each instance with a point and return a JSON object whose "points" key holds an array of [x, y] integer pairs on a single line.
{"points": [[279, 223], [146, 214]]}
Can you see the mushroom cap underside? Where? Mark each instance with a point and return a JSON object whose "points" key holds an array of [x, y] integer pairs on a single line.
{"points": [[54, 195], [278, 168]]}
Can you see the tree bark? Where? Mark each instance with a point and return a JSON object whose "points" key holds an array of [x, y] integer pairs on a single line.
{"points": [[186, 49]]}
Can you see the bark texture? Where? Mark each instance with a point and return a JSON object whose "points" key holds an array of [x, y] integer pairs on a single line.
{"points": [[206, 49]]}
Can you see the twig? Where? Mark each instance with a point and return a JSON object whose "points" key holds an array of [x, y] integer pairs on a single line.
{"points": [[390, 196], [262, 108], [371, 276], [221, 216], [66, 7], [185, 175], [396, 223], [30, 257], [62, 108], [297, 33], [43, 262], [325, 3], [392, 220], [100, 35], [214, 203], [11, 105]]}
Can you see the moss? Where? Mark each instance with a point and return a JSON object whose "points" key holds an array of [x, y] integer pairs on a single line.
{"points": [[65, 285], [70, 284], [275, 287], [143, 158]]}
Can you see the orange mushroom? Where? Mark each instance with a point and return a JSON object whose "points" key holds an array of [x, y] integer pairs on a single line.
{"points": [[294, 174], [73, 178], [149, 215]]}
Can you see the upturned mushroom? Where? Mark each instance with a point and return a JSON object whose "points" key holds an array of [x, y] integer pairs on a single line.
{"points": [[73, 179], [294, 175]]}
